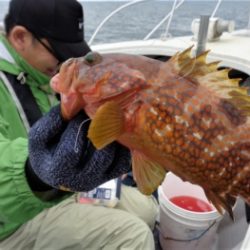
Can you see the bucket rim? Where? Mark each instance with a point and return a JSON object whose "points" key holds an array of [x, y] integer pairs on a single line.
{"points": [[186, 214]]}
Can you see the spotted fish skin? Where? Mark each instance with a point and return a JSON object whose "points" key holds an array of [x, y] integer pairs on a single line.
{"points": [[183, 116], [204, 136]]}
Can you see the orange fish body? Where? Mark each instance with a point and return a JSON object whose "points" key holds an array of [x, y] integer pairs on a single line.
{"points": [[183, 115]]}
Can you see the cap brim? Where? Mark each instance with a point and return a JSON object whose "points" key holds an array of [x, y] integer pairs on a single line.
{"points": [[64, 51]]}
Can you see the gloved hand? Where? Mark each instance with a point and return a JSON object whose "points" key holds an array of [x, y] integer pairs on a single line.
{"points": [[61, 155]]}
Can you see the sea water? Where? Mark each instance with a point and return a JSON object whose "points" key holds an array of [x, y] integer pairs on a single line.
{"points": [[132, 23]]}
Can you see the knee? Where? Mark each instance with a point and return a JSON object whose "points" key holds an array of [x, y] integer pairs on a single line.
{"points": [[139, 236], [134, 202], [150, 211], [146, 239]]}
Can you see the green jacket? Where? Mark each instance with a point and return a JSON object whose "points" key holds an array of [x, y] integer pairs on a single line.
{"points": [[18, 203]]}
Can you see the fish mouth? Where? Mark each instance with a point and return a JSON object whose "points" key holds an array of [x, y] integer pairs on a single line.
{"points": [[54, 83], [70, 105], [51, 71]]}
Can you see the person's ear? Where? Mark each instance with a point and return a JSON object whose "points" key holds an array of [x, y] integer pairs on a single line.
{"points": [[20, 38]]}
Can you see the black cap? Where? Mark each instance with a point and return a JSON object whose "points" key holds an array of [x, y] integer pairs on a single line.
{"points": [[61, 22]]}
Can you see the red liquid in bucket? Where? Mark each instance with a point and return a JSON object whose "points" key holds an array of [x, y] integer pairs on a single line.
{"points": [[191, 203]]}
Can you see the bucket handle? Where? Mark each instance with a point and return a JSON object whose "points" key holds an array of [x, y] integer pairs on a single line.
{"points": [[196, 238]]}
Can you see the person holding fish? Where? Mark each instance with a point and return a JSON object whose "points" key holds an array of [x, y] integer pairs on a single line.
{"points": [[38, 176]]}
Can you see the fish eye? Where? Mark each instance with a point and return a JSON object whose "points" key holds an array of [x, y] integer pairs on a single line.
{"points": [[93, 58]]}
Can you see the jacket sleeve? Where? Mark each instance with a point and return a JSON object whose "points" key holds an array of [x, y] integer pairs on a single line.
{"points": [[18, 203]]}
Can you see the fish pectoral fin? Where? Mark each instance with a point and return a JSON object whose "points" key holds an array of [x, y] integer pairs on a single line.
{"points": [[107, 125], [147, 174]]}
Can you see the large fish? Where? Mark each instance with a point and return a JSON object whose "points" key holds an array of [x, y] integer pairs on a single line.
{"points": [[182, 115]]}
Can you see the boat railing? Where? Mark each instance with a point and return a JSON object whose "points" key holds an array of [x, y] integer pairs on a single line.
{"points": [[111, 15], [216, 8], [167, 18]]}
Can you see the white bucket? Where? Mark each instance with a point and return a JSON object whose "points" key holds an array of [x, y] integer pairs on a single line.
{"points": [[181, 228]]}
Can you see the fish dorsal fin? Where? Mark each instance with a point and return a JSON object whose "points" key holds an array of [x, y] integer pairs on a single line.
{"points": [[207, 74], [148, 174], [107, 125], [193, 67], [184, 56], [179, 59], [240, 98], [186, 65], [174, 64], [218, 80], [227, 88]]}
